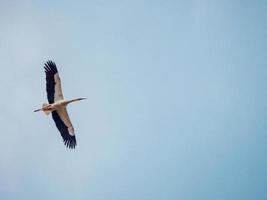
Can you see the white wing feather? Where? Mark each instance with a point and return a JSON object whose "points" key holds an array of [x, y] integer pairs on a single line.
{"points": [[63, 114], [58, 90]]}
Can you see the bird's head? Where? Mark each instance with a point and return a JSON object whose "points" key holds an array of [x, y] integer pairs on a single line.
{"points": [[79, 99], [73, 100]]}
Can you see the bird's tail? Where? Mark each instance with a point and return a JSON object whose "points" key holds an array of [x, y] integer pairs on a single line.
{"points": [[47, 112]]}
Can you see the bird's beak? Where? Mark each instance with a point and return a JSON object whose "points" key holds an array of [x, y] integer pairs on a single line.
{"points": [[82, 98]]}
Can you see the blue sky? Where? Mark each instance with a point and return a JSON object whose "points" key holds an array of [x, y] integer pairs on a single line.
{"points": [[176, 104]]}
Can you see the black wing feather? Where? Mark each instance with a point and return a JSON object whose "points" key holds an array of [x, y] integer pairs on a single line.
{"points": [[50, 71], [69, 140]]}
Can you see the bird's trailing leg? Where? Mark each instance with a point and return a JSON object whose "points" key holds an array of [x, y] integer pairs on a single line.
{"points": [[46, 109]]}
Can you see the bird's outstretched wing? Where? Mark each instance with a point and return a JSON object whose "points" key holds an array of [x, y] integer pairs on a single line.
{"points": [[65, 127], [53, 83]]}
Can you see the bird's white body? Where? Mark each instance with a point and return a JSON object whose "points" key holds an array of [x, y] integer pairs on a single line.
{"points": [[55, 106]]}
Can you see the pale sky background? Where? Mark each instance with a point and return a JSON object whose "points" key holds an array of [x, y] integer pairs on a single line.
{"points": [[176, 109]]}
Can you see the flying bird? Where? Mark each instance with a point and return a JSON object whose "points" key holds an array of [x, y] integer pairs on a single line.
{"points": [[57, 105]]}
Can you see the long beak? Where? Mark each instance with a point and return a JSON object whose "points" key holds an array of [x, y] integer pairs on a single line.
{"points": [[82, 98]]}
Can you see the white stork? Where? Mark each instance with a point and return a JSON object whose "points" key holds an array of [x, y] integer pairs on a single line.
{"points": [[57, 105]]}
